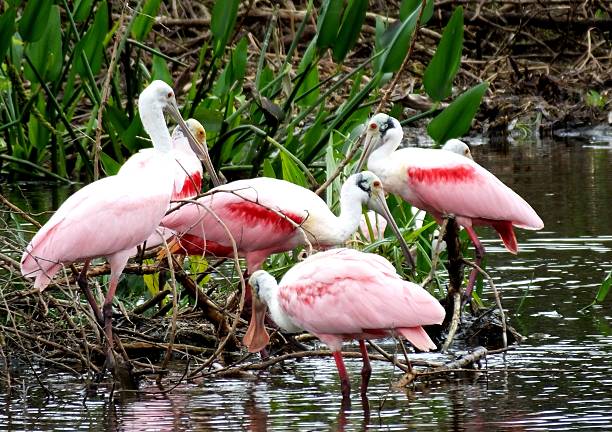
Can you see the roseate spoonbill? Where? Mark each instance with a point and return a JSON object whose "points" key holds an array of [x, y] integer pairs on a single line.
{"points": [[343, 294], [262, 214], [188, 169], [444, 183], [111, 216]]}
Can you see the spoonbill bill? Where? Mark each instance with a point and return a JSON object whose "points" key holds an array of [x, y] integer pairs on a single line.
{"points": [[111, 216], [444, 183], [343, 294], [266, 215]]}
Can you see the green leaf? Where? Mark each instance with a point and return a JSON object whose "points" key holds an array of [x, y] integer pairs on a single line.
{"points": [[91, 44], [352, 21], [46, 53], [456, 118], [604, 288], [7, 28], [312, 78], [110, 165], [441, 71], [222, 23], [160, 70], [398, 47], [34, 19], [268, 169], [291, 172], [328, 23], [143, 23], [239, 61], [409, 6], [81, 10]]}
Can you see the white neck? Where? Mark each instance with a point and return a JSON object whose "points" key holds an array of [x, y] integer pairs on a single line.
{"points": [[341, 227], [377, 162], [154, 124]]}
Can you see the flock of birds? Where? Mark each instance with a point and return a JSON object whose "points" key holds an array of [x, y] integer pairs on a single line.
{"points": [[336, 294]]}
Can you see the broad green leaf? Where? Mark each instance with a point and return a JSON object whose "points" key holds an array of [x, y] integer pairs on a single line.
{"points": [[46, 53], [291, 172], [604, 288], [143, 23], [91, 44], [312, 78], [268, 169], [110, 165], [441, 71], [398, 47], [7, 28], [210, 119], [239, 61], [329, 23], [456, 118], [222, 23], [409, 6], [81, 10], [353, 18], [160, 70], [34, 19]]}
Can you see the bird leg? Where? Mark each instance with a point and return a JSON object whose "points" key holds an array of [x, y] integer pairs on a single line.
{"points": [[479, 252], [366, 370], [345, 385], [107, 311], [84, 285]]}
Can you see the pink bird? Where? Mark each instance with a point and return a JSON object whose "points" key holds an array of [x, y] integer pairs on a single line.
{"points": [[109, 217], [343, 294], [262, 214], [187, 171], [444, 183]]}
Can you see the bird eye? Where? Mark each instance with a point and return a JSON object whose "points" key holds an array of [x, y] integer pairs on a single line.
{"points": [[377, 183], [169, 95], [373, 126], [466, 151]]}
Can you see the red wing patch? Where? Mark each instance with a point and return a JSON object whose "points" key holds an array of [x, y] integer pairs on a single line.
{"points": [[191, 187], [461, 173], [253, 213], [194, 245]]}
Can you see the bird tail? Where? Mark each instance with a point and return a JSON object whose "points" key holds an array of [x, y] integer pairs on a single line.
{"points": [[506, 233], [417, 337], [39, 268]]}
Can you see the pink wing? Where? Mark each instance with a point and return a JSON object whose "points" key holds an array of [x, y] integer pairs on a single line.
{"points": [[347, 292], [110, 215], [249, 209], [447, 183]]}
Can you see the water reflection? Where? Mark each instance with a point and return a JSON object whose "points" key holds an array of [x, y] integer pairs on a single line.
{"points": [[557, 379]]}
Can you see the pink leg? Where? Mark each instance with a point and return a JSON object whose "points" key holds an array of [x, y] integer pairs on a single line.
{"points": [[366, 370], [107, 312], [479, 250], [345, 384], [84, 285]]}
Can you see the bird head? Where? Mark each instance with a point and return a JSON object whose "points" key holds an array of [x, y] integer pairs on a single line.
{"points": [[370, 189], [457, 146], [195, 128], [381, 129], [256, 337], [159, 96]]}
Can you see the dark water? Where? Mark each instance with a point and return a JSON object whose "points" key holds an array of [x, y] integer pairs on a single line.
{"points": [[559, 378]]}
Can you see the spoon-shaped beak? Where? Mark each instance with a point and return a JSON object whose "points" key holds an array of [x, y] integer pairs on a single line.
{"points": [[256, 337], [367, 149], [200, 150], [378, 203]]}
